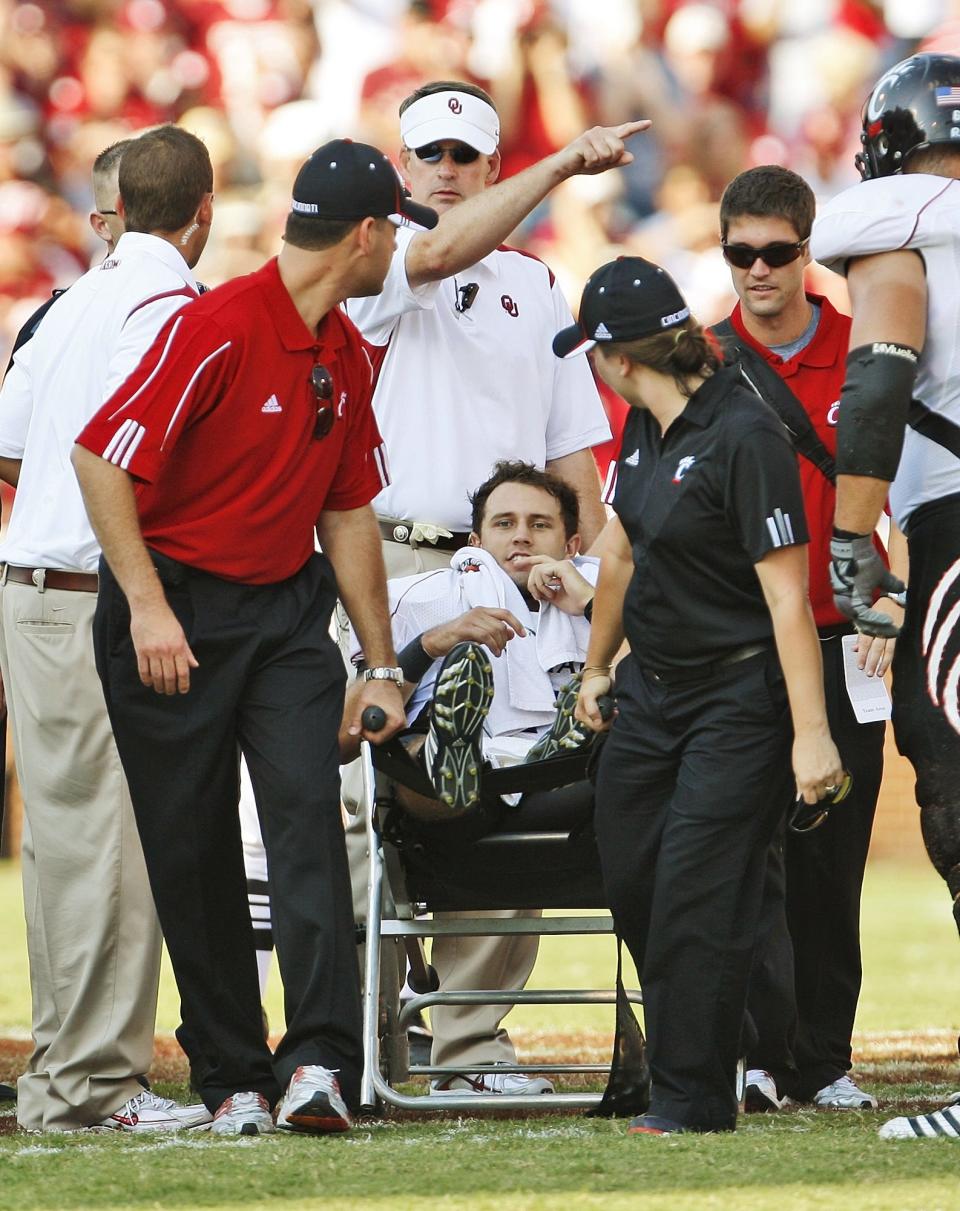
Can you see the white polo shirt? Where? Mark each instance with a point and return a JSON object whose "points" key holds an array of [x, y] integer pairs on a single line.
{"points": [[919, 212], [85, 347], [459, 390]]}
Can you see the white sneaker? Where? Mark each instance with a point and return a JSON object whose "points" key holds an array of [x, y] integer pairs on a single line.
{"points": [[243, 1114], [944, 1122], [515, 1083], [843, 1094], [313, 1102], [148, 1112], [760, 1092]]}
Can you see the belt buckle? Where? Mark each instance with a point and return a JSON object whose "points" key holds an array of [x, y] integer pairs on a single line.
{"points": [[401, 533], [39, 578]]}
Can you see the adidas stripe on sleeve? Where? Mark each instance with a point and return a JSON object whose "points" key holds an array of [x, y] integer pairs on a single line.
{"points": [[182, 372]]}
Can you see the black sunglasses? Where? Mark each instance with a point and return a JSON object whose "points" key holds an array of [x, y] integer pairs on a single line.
{"points": [[805, 817], [433, 153], [773, 255], [322, 382]]}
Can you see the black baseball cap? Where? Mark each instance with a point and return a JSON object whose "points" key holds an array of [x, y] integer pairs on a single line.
{"points": [[344, 180], [622, 301]]}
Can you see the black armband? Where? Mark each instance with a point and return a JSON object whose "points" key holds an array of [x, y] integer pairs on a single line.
{"points": [[874, 404], [414, 660]]}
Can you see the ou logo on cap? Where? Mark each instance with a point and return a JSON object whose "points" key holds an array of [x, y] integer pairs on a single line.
{"points": [[454, 105]]}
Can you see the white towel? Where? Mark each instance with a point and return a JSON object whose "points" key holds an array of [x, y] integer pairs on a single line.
{"points": [[523, 690]]}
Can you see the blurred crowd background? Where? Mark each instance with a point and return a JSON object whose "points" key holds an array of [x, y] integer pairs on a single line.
{"points": [[728, 84]]}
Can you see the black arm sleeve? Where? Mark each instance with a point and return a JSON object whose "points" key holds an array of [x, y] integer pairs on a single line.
{"points": [[414, 660], [873, 409]]}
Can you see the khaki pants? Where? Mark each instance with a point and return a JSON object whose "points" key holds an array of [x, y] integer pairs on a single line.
{"points": [[92, 934], [462, 1034]]}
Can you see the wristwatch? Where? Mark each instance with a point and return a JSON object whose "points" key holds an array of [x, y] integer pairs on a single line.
{"points": [[385, 673]]}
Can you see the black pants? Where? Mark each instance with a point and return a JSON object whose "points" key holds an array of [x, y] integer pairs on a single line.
{"points": [[690, 788], [271, 682], [926, 666], [806, 980]]}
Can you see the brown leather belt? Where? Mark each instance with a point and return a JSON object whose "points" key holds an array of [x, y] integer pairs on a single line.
{"points": [[402, 532], [50, 578]]}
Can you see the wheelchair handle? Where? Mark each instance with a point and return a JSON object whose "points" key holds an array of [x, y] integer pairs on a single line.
{"points": [[373, 719]]}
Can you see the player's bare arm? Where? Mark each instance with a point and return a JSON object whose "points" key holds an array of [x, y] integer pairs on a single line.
{"points": [[889, 297], [493, 628], [476, 226], [164, 658], [579, 470], [10, 470], [350, 539]]}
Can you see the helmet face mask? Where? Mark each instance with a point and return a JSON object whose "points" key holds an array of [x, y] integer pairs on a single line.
{"points": [[915, 104]]}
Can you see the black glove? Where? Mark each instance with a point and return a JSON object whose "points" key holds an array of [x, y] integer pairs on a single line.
{"points": [[858, 576]]}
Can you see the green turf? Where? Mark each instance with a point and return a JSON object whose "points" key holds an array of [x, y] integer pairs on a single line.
{"points": [[795, 1160], [910, 957]]}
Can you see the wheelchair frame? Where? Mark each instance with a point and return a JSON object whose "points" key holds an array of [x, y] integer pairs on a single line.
{"points": [[391, 918]]}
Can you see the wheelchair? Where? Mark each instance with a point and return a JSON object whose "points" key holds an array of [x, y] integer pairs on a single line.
{"points": [[537, 857]]}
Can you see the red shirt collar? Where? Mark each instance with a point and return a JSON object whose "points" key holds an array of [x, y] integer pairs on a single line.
{"points": [[822, 351], [293, 333]]}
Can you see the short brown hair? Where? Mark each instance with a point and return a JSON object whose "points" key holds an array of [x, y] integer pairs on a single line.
{"points": [[110, 157], [684, 352], [769, 192], [515, 471], [164, 175], [447, 86], [304, 231]]}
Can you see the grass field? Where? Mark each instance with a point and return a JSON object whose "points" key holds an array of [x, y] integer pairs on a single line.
{"points": [[905, 1052]]}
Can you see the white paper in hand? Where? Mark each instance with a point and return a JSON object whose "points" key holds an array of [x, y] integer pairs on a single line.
{"points": [[868, 695]]}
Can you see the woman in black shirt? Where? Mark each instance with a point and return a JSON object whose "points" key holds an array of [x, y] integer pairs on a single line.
{"points": [[704, 573]]}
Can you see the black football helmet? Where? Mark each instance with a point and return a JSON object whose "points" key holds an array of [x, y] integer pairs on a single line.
{"points": [[915, 104]]}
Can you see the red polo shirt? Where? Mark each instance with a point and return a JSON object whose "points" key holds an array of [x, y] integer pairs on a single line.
{"points": [[216, 426], [815, 376]]}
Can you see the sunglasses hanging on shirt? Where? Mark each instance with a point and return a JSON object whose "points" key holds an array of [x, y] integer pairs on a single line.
{"points": [[322, 382], [774, 256]]}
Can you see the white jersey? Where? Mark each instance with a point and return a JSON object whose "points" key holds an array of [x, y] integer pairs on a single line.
{"points": [[85, 347], [556, 643], [461, 388], [917, 212]]}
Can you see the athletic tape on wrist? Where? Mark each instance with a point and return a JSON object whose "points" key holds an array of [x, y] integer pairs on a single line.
{"points": [[873, 409]]}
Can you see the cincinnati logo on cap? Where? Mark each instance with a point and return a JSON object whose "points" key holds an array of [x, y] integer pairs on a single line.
{"points": [[454, 105]]}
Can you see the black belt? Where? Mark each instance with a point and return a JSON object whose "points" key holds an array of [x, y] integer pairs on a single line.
{"points": [[704, 672], [49, 578], [402, 532]]}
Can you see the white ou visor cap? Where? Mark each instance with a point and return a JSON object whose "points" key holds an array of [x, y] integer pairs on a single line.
{"points": [[451, 115]]}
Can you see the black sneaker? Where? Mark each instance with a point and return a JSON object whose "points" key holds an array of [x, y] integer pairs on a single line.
{"points": [[452, 753], [566, 735]]}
